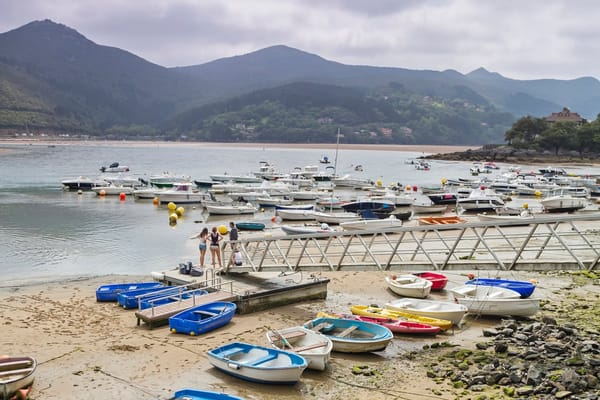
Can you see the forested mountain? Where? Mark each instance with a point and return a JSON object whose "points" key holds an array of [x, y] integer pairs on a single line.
{"points": [[53, 79]]}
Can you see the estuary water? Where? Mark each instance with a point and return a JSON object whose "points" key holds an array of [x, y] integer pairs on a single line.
{"points": [[47, 233]]}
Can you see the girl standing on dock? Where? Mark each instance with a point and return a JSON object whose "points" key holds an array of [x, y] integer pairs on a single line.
{"points": [[203, 236], [215, 251]]}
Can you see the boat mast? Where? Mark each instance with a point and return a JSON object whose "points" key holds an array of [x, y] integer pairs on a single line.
{"points": [[337, 146]]}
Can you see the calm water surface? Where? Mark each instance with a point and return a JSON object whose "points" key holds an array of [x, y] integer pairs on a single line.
{"points": [[46, 232]]}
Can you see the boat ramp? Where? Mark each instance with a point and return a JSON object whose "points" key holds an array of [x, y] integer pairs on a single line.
{"points": [[251, 292]]}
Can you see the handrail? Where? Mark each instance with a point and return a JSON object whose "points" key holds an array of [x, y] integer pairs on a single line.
{"points": [[547, 242]]}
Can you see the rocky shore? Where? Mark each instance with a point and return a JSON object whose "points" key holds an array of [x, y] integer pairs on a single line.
{"points": [[509, 154]]}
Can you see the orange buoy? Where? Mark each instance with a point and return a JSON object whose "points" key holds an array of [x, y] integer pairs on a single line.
{"points": [[393, 276], [471, 276], [155, 201]]}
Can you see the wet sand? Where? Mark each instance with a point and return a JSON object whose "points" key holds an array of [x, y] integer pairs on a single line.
{"points": [[90, 350]]}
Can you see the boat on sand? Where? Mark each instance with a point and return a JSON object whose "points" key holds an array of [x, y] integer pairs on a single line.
{"points": [[352, 336], [430, 308], [257, 363], [313, 346], [16, 376], [202, 318], [409, 285]]}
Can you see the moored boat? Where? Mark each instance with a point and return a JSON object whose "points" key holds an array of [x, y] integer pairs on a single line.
{"points": [[448, 220], [296, 215], [257, 363], [82, 183], [306, 229], [183, 192], [313, 346], [352, 336], [16, 376], [202, 318], [480, 291], [500, 307], [365, 224], [335, 218], [132, 298], [230, 209], [409, 285], [250, 225], [170, 298], [399, 326]]}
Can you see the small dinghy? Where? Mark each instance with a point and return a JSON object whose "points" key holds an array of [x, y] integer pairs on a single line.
{"points": [[170, 298], [352, 336], [202, 318], [193, 394], [110, 292], [250, 226], [132, 298], [430, 308], [16, 376], [438, 281], [257, 363], [409, 285], [313, 346], [480, 291], [399, 326], [525, 289]]}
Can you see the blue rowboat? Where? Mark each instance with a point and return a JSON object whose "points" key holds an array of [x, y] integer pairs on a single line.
{"points": [[152, 301], [202, 318], [524, 288], [257, 363], [193, 394], [132, 298], [250, 226], [110, 292], [352, 336]]}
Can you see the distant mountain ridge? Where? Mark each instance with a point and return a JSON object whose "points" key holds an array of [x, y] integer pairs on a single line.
{"points": [[53, 78]]}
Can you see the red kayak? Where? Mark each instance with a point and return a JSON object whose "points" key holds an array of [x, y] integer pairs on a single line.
{"points": [[438, 280], [399, 326]]}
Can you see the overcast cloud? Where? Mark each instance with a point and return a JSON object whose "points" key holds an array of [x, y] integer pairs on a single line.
{"points": [[520, 39]]}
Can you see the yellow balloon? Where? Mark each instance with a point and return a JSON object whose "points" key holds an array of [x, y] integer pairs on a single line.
{"points": [[222, 229], [171, 206]]}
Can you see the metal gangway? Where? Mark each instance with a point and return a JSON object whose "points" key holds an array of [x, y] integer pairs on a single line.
{"points": [[548, 242]]}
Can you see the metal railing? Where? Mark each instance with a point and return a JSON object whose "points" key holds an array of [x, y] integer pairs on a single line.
{"points": [[548, 242]]}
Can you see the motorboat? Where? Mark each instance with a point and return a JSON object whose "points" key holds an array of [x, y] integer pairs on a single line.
{"points": [[248, 178], [167, 179], [82, 183], [563, 203], [350, 182], [230, 209], [368, 204], [112, 190], [115, 167], [296, 215], [365, 224], [335, 218], [480, 200], [184, 192]]}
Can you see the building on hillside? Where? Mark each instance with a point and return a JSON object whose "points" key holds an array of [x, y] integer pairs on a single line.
{"points": [[565, 116]]}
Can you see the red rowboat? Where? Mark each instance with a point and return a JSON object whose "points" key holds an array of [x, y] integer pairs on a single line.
{"points": [[438, 281], [400, 326]]}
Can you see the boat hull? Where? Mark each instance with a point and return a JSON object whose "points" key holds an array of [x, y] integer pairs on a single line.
{"points": [[430, 308], [365, 336], [501, 307], [313, 346], [438, 281], [382, 312], [409, 285], [258, 364], [193, 394], [24, 369], [525, 289]]}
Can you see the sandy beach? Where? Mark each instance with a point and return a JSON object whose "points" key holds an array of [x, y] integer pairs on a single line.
{"points": [[430, 149], [90, 350]]}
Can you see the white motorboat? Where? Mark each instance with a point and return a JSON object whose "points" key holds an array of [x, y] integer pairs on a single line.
{"points": [[430, 308], [335, 218], [306, 229], [167, 179], [146, 193], [365, 224], [409, 285], [480, 200], [115, 167], [182, 193], [249, 178], [272, 201], [122, 180], [111, 190], [230, 209], [313, 346], [296, 215], [305, 194], [428, 208], [563, 203], [350, 182]]}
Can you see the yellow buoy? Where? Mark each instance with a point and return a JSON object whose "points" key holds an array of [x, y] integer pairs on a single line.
{"points": [[444, 181], [179, 211], [192, 333], [173, 330], [171, 206], [379, 183], [525, 206], [538, 193], [173, 218], [222, 229]]}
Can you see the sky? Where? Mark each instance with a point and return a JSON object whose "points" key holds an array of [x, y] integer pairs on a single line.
{"points": [[529, 39]]}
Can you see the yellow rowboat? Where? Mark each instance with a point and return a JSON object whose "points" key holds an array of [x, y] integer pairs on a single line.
{"points": [[382, 312]]}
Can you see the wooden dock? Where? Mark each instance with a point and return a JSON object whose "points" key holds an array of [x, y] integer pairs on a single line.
{"points": [[159, 315]]}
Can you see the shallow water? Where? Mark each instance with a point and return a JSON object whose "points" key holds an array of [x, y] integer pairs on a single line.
{"points": [[46, 232]]}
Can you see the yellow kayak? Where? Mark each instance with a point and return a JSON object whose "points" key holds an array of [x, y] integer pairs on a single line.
{"points": [[382, 312]]}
